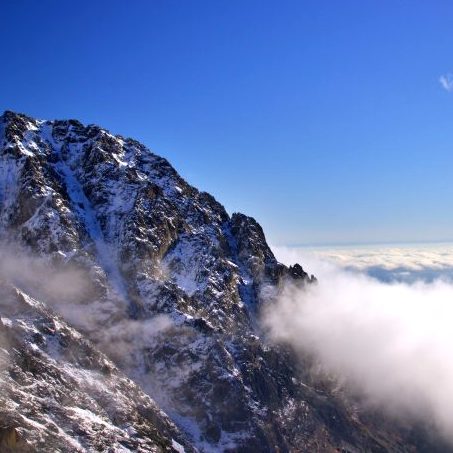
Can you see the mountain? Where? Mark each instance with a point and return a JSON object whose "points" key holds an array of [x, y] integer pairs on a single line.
{"points": [[130, 306]]}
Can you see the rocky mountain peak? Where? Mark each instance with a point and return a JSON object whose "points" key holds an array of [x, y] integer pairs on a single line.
{"points": [[139, 322]]}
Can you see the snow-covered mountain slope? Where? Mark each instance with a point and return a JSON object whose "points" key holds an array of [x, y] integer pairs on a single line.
{"points": [[58, 393], [172, 291]]}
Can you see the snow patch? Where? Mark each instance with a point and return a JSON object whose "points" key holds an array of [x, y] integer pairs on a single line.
{"points": [[178, 447]]}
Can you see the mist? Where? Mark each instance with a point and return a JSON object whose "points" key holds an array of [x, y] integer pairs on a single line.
{"points": [[41, 277], [84, 298], [391, 343]]}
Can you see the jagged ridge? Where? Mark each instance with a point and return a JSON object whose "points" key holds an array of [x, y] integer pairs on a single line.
{"points": [[168, 258]]}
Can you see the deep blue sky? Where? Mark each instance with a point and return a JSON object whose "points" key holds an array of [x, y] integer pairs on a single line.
{"points": [[325, 120]]}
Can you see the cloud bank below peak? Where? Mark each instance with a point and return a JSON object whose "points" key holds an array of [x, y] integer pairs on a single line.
{"points": [[404, 263], [390, 342]]}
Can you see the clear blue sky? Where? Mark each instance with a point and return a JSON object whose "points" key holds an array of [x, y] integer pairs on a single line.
{"points": [[325, 120]]}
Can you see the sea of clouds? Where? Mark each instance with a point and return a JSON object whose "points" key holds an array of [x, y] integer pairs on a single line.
{"points": [[387, 263], [380, 320]]}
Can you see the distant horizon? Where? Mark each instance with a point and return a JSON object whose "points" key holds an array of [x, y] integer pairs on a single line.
{"points": [[366, 244]]}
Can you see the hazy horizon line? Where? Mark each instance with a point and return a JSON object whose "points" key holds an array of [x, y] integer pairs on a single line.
{"points": [[364, 243]]}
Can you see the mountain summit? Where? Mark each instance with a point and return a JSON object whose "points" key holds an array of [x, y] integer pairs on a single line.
{"points": [[130, 307]]}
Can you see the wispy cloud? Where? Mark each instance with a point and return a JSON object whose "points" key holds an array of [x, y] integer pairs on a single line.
{"points": [[446, 81]]}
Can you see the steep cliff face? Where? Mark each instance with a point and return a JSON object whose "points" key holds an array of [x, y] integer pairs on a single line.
{"points": [[172, 291]]}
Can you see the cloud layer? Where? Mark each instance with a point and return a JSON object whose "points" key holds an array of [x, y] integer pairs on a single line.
{"points": [[391, 342], [385, 263]]}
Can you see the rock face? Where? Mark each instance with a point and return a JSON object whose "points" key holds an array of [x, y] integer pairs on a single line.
{"points": [[58, 393], [171, 295]]}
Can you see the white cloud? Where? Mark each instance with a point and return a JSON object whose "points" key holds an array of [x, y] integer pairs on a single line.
{"points": [[387, 263], [391, 342], [446, 81]]}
